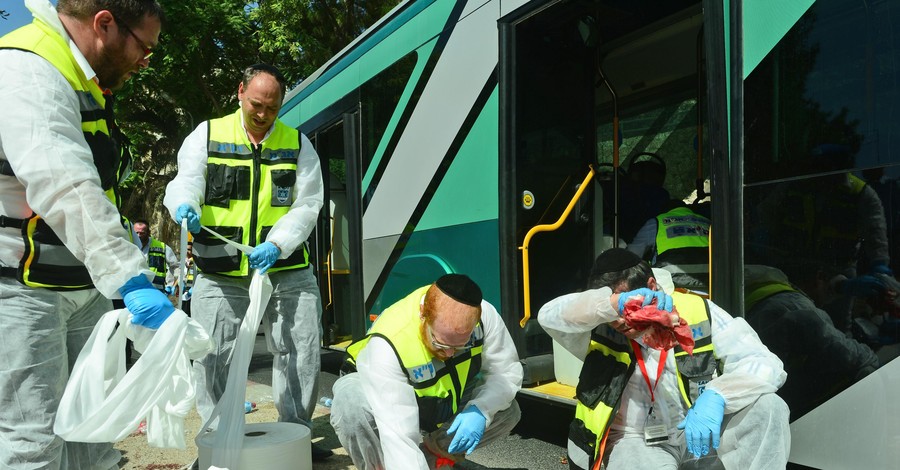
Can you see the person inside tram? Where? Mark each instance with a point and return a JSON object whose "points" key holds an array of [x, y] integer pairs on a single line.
{"points": [[641, 407], [836, 221], [641, 193], [820, 360], [677, 240]]}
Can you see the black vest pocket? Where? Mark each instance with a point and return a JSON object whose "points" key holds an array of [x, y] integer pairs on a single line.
{"points": [[433, 411], [224, 183], [584, 439], [213, 255], [602, 379], [283, 187]]}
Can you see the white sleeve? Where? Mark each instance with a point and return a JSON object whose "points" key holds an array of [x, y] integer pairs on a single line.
{"points": [[570, 318], [750, 369], [500, 366], [172, 263], [44, 144], [294, 228], [189, 184], [644, 242], [395, 410]]}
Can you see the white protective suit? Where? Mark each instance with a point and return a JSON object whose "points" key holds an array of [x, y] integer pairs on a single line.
{"points": [[42, 140], [750, 372], [219, 303], [381, 388]]}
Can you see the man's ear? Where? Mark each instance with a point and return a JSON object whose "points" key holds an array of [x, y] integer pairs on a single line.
{"points": [[104, 25], [651, 283], [422, 312]]}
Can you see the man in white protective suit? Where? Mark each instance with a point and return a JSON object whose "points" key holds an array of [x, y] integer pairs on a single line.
{"points": [[256, 181], [645, 408], [64, 251], [437, 378]]}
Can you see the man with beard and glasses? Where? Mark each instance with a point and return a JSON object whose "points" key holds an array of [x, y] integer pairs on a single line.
{"points": [[64, 251], [434, 379]]}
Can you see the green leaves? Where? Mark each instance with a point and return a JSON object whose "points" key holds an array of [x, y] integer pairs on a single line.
{"points": [[195, 70]]}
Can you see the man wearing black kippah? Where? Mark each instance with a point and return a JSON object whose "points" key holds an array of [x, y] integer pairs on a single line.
{"points": [[437, 377], [711, 406]]}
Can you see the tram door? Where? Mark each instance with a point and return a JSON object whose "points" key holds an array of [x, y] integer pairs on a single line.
{"points": [[338, 259]]}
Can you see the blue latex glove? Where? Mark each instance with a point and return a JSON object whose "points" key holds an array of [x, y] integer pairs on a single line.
{"points": [[148, 306], [704, 422], [264, 256], [663, 301], [882, 268], [469, 427], [185, 211], [170, 290], [863, 286]]}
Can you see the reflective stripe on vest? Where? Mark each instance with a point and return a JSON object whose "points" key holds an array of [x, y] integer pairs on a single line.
{"points": [[46, 261], [156, 259], [609, 365], [765, 291], [440, 386], [682, 242], [248, 188]]}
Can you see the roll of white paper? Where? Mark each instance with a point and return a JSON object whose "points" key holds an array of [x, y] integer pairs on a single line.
{"points": [[273, 446]]}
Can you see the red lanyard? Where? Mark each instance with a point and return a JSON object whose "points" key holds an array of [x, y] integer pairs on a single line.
{"points": [[659, 369]]}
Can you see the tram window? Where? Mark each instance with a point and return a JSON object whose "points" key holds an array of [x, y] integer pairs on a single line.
{"points": [[378, 100], [816, 88], [820, 197]]}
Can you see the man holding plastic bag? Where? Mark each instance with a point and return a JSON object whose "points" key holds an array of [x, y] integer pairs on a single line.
{"points": [[63, 249], [257, 182]]}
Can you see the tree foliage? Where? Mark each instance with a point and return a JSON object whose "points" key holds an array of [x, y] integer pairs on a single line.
{"points": [[195, 70]]}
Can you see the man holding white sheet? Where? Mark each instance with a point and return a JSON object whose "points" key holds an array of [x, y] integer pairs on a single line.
{"points": [[257, 182]]}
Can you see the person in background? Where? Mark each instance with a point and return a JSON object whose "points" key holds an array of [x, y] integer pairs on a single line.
{"points": [[821, 361], [835, 222], [160, 257], [642, 408], [439, 363], [257, 181], [64, 251], [677, 240]]}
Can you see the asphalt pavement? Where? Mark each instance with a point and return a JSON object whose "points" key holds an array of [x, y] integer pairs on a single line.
{"points": [[537, 443]]}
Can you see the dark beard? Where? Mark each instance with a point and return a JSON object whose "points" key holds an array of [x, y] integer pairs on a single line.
{"points": [[108, 73]]}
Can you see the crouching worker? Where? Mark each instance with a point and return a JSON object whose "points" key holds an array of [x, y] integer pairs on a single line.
{"points": [[643, 408], [437, 376]]}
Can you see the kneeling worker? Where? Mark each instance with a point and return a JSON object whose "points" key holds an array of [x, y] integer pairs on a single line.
{"points": [[437, 377], [660, 406]]}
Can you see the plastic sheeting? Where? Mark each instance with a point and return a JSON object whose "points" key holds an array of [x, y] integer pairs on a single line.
{"points": [[104, 403], [228, 416]]}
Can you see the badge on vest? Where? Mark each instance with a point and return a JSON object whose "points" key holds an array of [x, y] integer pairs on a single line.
{"points": [[422, 373], [281, 196]]}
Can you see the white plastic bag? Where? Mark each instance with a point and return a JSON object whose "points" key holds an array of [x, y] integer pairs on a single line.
{"points": [[228, 416], [104, 403]]}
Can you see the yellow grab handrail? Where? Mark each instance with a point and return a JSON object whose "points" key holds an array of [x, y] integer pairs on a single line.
{"points": [[546, 228]]}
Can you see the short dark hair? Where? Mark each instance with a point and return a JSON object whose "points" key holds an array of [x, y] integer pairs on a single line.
{"points": [[128, 12], [634, 277], [140, 221], [257, 69]]}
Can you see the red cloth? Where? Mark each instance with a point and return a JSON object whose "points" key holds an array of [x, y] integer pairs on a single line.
{"points": [[657, 326], [444, 462]]}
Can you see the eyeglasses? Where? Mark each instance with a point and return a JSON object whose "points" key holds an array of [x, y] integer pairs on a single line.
{"points": [[439, 345], [147, 51]]}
